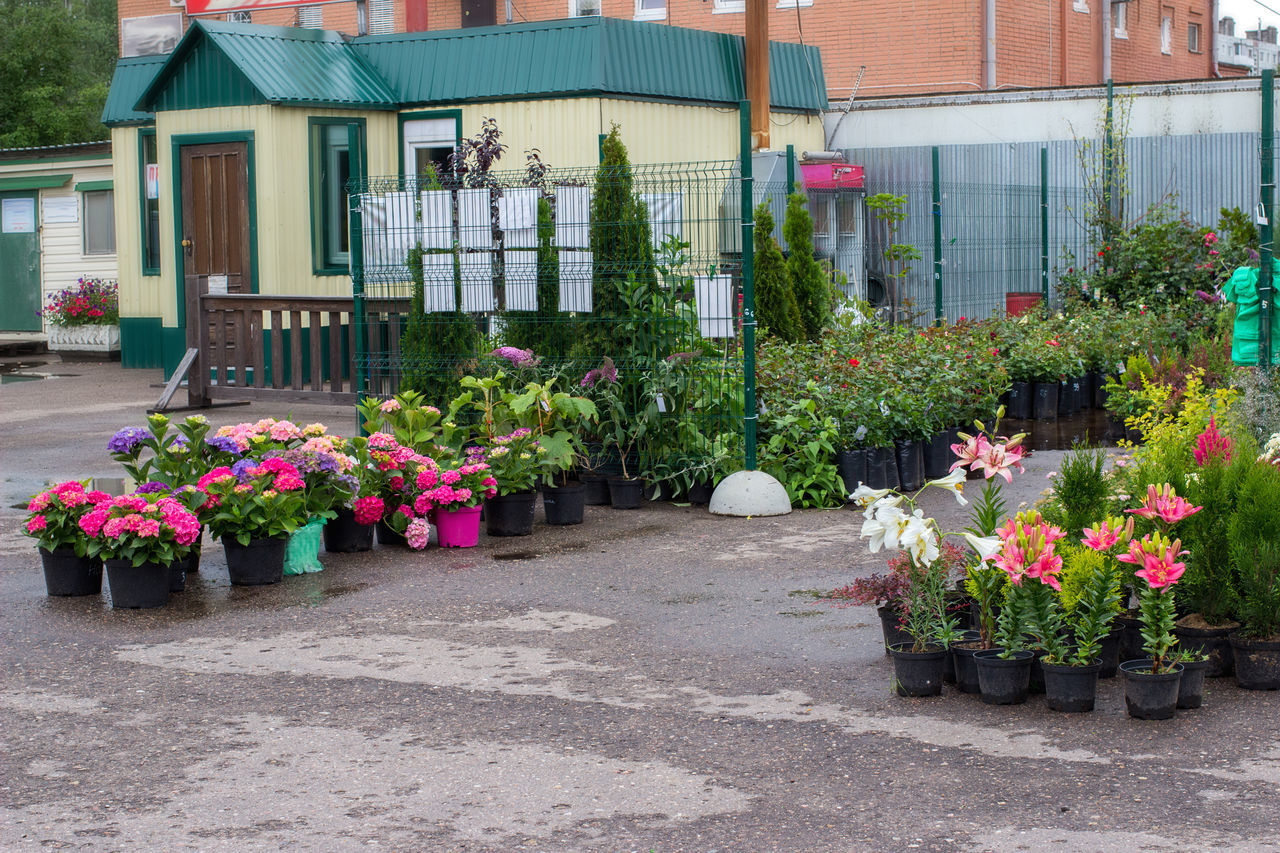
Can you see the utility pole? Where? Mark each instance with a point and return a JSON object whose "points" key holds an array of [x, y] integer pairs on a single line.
{"points": [[757, 67]]}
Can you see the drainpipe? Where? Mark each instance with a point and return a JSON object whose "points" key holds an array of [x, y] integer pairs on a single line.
{"points": [[1213, 40], [989, 48], [1106, 39]]}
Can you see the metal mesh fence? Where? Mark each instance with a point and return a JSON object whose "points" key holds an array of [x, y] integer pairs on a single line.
{"points": [[634, 269]]}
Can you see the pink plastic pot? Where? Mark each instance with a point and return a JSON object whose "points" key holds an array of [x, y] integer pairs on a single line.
{"points": [[458, 528]]}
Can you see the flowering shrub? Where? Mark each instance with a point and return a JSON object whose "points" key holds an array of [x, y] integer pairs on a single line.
{"points": [[89, 302], [328, 478], [177, 459], [232, 442], [142, 528], [465, 483], [515, 461], [405, 417], [53, 516], [258, 501]]}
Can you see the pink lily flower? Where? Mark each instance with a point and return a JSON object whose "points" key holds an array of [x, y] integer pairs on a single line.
{"points": [[1001, 459], [1107, 534], [1164, 503], [970, 452]]}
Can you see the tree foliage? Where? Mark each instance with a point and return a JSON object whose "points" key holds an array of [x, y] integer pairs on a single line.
{"points": [[808, 282], [56, 61], [621, 242], [776, 308]]}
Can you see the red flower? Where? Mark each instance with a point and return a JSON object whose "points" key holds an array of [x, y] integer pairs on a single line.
{"points": [[853, 362]]}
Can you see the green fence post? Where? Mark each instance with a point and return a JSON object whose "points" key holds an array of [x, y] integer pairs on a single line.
{"points": [[937, 241], [1044, 228], [1266, 231], [750, 414], [355, 228], [791, 170]]}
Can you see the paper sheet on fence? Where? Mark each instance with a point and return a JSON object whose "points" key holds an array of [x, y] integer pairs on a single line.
{"points": [[666, 215], [573, 217], [437, 219], [521, 269], [477, 282], [575, 281], [518, 216], [437, 283], [714, 298], [475, 223], [390, 231]]}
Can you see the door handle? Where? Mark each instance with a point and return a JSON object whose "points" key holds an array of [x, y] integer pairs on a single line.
{"points": [[186, 244]]}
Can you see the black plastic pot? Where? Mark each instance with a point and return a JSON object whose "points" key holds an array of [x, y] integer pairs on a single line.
{"points": [[917, 674], [1044, 401], [1191, 686], [1088, 390], [596, 490], [388, 536], [191, 563], [1100, 394], [1130, 637], [510, 515], [137, 587], [1003, 681], [851, 465], [178, 575], [1070, 689], [1019, 406], [910, 455], [564, 505], [1066, 399], [625, 492], [938, 456], [67, 574], [256, 564], [891, 627], [1149, 696], [966, 667], [1214, 642], [1035, 683], [882, 468], [1109, 655], [344, 535], [700, 493], [1257, 663]]}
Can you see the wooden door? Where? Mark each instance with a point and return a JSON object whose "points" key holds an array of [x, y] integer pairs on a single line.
{"points": [[215, 241]]}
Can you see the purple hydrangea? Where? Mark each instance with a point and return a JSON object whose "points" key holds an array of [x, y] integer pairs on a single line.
{"points": [[224, 444], [151, 488], [241, 469], [308, 461], [127, 440]]}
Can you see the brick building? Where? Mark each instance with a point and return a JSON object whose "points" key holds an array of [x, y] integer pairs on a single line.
{"points": [[906, 46]]}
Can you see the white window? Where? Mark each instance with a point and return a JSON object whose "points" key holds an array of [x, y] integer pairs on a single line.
{"points": [[382, 17], [791, 4], [1166, 33], [722, 6], [1193, 38], [583, 8], [1081, 6], [651, 10], [429, 141], [99, 222], [310, 17], [1120, 19]]}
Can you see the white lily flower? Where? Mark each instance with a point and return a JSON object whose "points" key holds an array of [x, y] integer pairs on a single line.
{"points": [[953, 482], [864, 495], [883, 527], [918, 536], [986, 546], [887, 502]]}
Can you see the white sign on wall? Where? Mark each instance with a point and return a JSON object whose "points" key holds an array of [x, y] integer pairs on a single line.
{"points": [[18, 215], [61, 210]]}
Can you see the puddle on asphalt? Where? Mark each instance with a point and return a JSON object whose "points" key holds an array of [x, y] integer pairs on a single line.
{"points": [[518, 555], [28, 371]]}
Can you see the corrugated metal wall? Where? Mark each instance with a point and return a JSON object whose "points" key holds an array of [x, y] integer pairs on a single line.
{"points": [[991, 206]]}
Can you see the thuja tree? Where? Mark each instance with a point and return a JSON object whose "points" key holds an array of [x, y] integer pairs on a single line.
{"points": [[776, 309], [621, 243], [437, 349], [808, 282]]}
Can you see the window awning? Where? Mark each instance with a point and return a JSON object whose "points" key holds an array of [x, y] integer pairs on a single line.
{"points": [[90, 186], [33, 182]]}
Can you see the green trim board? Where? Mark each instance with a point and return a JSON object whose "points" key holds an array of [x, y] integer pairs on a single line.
{"points": [[33, 182], [416, 115], [175, 143], [141, 342], [144, 134], [91, 186], [318, 198]]}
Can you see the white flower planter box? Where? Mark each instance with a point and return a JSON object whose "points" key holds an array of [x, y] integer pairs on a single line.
{"points": [[96, 340]]}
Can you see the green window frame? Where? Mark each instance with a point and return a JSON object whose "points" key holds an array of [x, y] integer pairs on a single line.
{"points": [[148, 208], [336, 156]]}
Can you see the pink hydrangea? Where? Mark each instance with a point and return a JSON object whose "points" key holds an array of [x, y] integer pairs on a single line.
{"points": [[40, 502], [422, 504], [91, 523], [369, 509], [450, 477], [417, 533], [37, 523]]}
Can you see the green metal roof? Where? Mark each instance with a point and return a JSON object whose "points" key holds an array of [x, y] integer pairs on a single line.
{"points": [[218, 63], [588, 56], [132, 76]]}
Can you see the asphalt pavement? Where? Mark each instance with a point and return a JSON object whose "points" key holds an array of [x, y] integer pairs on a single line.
{"points": [[655, 680]]}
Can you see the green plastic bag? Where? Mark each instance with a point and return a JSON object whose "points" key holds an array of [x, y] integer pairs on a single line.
{"points": [[1242, 289], [302, 554]]}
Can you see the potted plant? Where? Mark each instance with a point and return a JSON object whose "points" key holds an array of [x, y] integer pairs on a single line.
{"points": [[71, 563], [557, 420], [1151, 684], [141, 537], [462, 484], [514, 464], [253, 511], [359, 507], [622, 428], [85, 318], [1255, 551], [327, 480]]}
